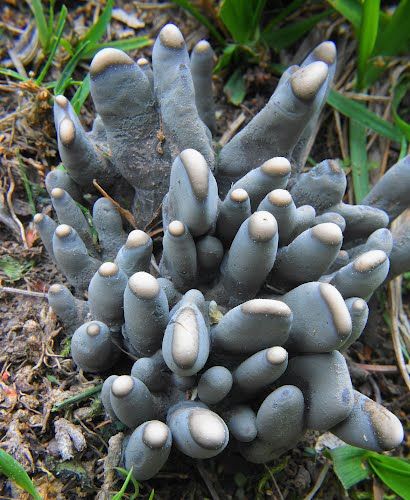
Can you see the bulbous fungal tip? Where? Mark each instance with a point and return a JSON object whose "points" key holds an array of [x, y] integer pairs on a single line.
{"points": [[144, 285], [207, 429], [307, 81], [56, 288], [369, 261], [155, 434], [266, 306], [142, 61], [185, 338], [66, 131], [122, 386], [388, 428], [326, 52], [108, 57], [202, 46], [239, 195], [276, 355], [359, 305], [61, 100], [328, 233], [63, 230], [277, 166], [93, 329], [176, 228], [197, 170], [171, 37], [262, 226], [38, 218], [136, 238], [57, 193], [338, 309], [108, 269], [280, 198]]}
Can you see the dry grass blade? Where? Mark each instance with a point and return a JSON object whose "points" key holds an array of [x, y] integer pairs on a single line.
{"points": [[124, 212]]}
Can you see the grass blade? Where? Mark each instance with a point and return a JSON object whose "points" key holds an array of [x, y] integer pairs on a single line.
{"points": [[394, 472], [362, 115], [53, 49], [367, 37], [41, 23], [350, 9], [401, 89], [120, 494], [394, 34], [12, 74], [186, 4], [241, 18], [70, 67], [235, 88], [348, 465], [128, 44], [81, 94], [14, 471], [97, 30], [283, 14], [358, 158]]}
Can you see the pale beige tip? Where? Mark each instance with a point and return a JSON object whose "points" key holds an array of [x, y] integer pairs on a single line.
{"points": [[328, 233], [56, 288], [108, 57], [359, 305], [61, 101], [66, 131], [197, 170], [338, 309], [369, 261], [144, 285], [38, 218], [207, 429], [239, 195], [276, 355], [307, 81], [280, 198], [57, 193], [326, 52], [277, 166], [63, 230], [176, 228], [137, 238], [266, 306], [108, 269], [122, 386], [185, 338], [155, 434], [202, 46], [93, 329], [387, 427], [142, 61], [262, 226], [171, 37]]}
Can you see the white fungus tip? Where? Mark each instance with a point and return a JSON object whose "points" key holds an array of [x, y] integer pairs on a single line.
{"points": [[93, 329], [307, 81], [155, 434], [328, 233], [144, 285], [262, 226], [66, 131], [57, 193], [197, 170], [239, 195], [326, 52], [176, 228], [108, 57], [38, 218], [108, 269], [63, 230], [369, 261], [171, 37], [266, 306], [122, 386], [276, 355], [207, 429], [202, 46], [137, 238], [278, 166], [280, 198], [61, 100], [337, 308]]}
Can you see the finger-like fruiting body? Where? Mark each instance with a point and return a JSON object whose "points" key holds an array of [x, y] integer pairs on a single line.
{"points": [[145, 313], [202, 63], [359, 312], [252, 326], [68, 212], [151, 371], [341, 260], [106, 294], [381, 239], [363, 276], [197, 431], [60, 179], [106, 396], [241, 422], [280, 417], [92, 348], [72, 257], [370, 426], [234, 210], [361, 220], [321, 321], [70, 310], [148, 449], [308, 256], [326, 386], [400, 255], [172, 294], [147, 69], [260, 370], [46, 226], [391, 192], [185, 346], [179, 259], [273, 174], [251, 257], [274, 131], [193, 194], [214, 385], [131, 401], [135, 254], [108, 224], [259, 451], [209, 252], [175, 92], [331, 217], [183, 383], [192, 297]]}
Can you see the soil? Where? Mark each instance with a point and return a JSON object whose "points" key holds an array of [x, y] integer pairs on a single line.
{"points": [[37, 373]]}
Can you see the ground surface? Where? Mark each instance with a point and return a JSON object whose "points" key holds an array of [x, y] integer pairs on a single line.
{"points": [[37, 373]]}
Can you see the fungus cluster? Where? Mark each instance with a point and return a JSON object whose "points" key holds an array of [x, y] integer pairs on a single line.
{"points": [[264, 272]]}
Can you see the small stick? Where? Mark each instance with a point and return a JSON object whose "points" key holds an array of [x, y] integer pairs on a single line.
{"points": [[207, 480], [380, 368], [78, 397], [125, 213], [233, 127], [319, 482], [274, 482], [28, 293]]}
